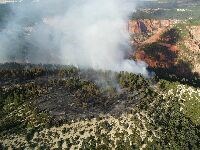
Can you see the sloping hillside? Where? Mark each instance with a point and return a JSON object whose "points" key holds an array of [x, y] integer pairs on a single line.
{"points": [[167, 46], [58, 107], [64, 107]]}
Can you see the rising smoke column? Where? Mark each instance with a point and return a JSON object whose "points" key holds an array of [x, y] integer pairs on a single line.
{"points": [[84, 33]]}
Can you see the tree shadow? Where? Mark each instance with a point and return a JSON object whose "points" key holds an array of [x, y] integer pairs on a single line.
{"points": [[171, 36], [180, 72], [163, 59], [142, 27], [157, 54]]}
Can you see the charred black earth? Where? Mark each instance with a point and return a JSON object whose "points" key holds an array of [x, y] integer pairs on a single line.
{"points": [[66, 93]]}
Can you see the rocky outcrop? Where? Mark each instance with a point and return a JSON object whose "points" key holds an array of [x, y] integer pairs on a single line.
{"points": [[164, 48], [193, 45], [194, 32], [148, 25], [158, 55], [140, 30]]}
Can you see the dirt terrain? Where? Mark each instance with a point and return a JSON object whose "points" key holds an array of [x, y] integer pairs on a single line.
{"points": [[162, 44], [148, 30]]}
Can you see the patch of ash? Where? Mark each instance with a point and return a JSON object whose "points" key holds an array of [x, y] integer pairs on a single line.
{"points": [[63, 105]]}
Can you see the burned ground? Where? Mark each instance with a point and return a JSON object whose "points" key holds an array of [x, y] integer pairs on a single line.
{"points": [[70, 94]]}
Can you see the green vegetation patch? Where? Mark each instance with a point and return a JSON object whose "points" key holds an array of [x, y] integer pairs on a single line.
{"points": [[189, 98]]}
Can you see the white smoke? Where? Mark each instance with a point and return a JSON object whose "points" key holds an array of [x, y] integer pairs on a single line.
{"points": [[84, 33]]}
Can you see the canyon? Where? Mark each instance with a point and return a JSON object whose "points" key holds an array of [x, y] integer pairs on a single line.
{"points": [[166, 44]]}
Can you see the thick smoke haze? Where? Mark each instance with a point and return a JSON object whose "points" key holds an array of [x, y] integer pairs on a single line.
{"points": [[84, 33]]}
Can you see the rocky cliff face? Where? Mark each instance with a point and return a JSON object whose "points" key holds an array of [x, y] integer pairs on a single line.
{"points": [[145, 36], [162, 44], [140, 29], [148, 25]]}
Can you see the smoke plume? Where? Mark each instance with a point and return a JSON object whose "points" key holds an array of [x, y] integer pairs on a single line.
{"points": [[84, 33]]}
